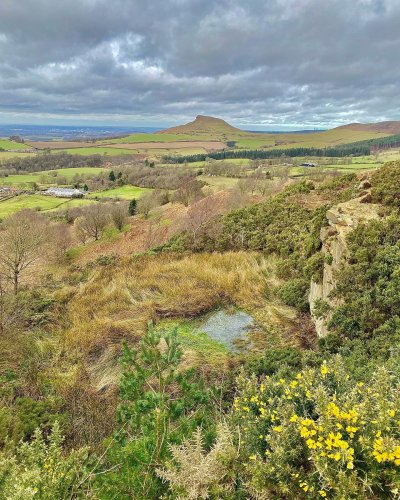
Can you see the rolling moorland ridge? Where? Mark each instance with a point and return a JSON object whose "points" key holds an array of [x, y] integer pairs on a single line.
{"points": [[201, 312]]}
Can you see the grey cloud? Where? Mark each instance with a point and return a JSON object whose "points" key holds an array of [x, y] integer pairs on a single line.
{"points": [[288, 62]]}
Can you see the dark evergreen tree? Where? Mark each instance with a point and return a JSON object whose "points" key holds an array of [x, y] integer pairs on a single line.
{"points": [[132, 207], [111, 176]]}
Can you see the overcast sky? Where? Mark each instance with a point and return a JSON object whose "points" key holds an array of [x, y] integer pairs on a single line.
{"points": [[273, 63]]}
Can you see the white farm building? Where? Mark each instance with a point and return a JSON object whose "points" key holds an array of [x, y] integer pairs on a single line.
{"points": [[64, 192]]}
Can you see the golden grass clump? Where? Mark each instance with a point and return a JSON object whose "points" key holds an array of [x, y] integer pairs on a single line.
{"points": [[119, 301]]}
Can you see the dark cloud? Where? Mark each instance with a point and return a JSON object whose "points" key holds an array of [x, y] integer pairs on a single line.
{"points": [[277, 62]]}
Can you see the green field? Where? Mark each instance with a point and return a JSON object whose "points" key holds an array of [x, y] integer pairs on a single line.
{"points": [[219, 182], [152, 138], [266, 140], [6, 155], [38, 202], [123, 192], [6, 144], [248, 140], [47, 177], [70, 173], [98, 151]]}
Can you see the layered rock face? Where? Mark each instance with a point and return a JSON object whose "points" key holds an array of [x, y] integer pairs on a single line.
{"points": [[342, 219]]}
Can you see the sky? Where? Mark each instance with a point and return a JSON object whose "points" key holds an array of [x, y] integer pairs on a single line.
{"points": [[261, 64]]}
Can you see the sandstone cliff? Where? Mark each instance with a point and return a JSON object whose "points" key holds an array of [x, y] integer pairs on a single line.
{"points": [[342, 219]]}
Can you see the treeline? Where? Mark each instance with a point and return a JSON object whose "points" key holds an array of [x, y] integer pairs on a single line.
{"points": [[263, 154], [49, 161]]}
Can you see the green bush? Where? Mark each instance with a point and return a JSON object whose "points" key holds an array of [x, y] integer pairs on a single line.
{"points": [[320, 434], [386, 184], [295, 293], [160, 407], [41, 470]]}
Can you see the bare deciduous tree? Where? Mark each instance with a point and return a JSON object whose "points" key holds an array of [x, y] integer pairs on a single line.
{"points": [[92, 223], [61, 239], [118, 214], [189, 191], [145, 204], [197, 215], [23, 239]]}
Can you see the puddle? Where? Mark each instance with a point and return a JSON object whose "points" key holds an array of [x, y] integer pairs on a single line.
{"points": [[228, 328]]}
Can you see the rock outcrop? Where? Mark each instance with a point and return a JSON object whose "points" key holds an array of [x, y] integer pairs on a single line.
{"points": [[342, 219]]}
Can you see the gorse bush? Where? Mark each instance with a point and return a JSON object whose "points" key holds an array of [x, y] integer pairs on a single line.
{"points": [[368, 285], [295, 293], [320, 434], [196, 472], [41, 470], [386, 184]]}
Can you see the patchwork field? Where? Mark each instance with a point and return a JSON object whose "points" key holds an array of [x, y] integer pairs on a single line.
{"points": [[60, 144], [48, 177], [210, 145], [123, 192], [7, 144], [98, 151], [209, 134], [219, 182], [38, 202], [9, 155], [138, 138]]}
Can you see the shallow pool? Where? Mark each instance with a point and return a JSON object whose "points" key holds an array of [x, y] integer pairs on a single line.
{"points": [[228, 328]]}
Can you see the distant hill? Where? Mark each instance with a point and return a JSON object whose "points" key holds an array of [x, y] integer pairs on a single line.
{"points": [[389, 127], [204, 125]]}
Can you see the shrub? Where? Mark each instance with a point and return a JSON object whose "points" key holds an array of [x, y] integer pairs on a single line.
{"points": [[159, 407], [385, 184], [320, 434], [283, 361], [196, 473], [295, 293], [40, 470], [368, 286]]}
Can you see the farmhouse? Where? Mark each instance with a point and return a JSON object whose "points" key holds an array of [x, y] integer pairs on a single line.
{"points": [[64, 192], [308, 165]]}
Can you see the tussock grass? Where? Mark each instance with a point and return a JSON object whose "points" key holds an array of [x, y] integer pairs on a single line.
{"points": [[119, 301]]}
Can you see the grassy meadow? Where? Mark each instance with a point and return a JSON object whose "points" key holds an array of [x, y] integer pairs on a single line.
{"points": [[104, 151], [150, 138], [7, 144], [122, 192], [38, 202], [9, 155]]}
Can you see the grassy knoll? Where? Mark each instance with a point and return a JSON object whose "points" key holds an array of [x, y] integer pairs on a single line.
{"points": [[37, 202], [123, 192], [156, 154], [262, 141], [69, 173]]}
